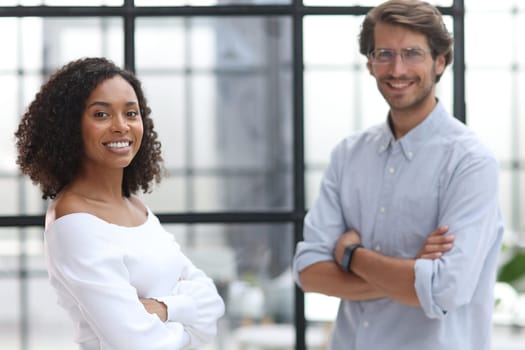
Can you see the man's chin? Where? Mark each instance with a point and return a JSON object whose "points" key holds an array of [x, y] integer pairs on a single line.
{"points": [[399, 103]]}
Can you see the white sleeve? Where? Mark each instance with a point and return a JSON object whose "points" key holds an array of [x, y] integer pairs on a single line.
{"points": [[91, 269], [196, 304]]}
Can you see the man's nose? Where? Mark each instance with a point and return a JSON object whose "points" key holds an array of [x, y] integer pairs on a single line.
{"points": [[398, 66]]}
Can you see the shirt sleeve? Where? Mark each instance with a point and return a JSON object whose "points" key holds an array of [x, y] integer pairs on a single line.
{"points": [[91, 269], [324, 222], [470, 207], [196, 304]]}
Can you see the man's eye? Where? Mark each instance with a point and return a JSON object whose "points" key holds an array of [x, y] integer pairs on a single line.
{"points": [[386, 54], [413, 53]]}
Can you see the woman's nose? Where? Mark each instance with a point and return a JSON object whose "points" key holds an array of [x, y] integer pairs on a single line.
{"points": [[119, 124]]}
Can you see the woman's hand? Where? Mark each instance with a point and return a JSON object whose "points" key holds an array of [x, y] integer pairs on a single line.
{"points": [[153, 306]]}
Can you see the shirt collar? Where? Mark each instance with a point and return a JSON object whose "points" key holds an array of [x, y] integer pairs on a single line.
{"points": [[413, 140], [386, 138]]}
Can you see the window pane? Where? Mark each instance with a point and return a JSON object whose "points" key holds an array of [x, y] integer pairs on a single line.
{"points": [[333, 82], [319, 50], [10, 315], [208, 2], [24, 197], [70, 39], [364, 2], [497, 116], [14, 290], [9, 249], [62, 2], [482, 115], [83, 2], [49, 325], [9, 92], [320, 311], [220, 90], [492, 6], [9, 43], [483, 52], [518, 44]]}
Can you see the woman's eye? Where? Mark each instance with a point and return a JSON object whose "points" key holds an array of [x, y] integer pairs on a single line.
{"points": [[132, 114], [100, 114]]}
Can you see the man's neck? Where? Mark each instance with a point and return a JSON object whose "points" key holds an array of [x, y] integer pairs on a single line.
{"points": [[402, 121]]}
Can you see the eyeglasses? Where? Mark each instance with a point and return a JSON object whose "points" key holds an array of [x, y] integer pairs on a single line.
{"points": [[387, 56]]}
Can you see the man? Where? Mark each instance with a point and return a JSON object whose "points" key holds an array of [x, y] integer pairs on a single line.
{"points": [[366, 238]]}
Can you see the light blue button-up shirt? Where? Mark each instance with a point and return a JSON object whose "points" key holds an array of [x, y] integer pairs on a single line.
{"points": [[395, 193]]}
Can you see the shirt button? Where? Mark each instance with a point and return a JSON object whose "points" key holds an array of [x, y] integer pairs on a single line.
{"points": [[391, 170], [382, 209], [378, 248], [410, 154], [365, 324]]}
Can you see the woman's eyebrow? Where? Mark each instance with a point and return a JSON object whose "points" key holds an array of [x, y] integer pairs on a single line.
{"points": [[107, 104], [99, 103]]}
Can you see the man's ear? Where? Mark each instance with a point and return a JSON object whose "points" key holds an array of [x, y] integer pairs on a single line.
{"points": [[439, 64], [370, 67]]}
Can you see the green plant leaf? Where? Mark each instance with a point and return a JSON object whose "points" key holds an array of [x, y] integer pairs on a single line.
{"points": [[513, 270]]}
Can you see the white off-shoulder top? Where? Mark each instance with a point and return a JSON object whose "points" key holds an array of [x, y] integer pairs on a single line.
{"points": [[99, 270]]}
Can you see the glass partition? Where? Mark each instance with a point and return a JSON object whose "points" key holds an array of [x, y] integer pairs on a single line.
{"points": [[220, 90]]}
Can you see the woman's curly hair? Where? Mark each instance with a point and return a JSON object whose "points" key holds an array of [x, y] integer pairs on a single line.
{"points": [[49, 138]]}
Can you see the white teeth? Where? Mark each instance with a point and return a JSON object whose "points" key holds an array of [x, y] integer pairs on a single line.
{"points": [[399, 85], [117, 144]]}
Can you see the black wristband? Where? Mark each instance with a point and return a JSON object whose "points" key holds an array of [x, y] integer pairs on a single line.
{"points": [[347, 256]]}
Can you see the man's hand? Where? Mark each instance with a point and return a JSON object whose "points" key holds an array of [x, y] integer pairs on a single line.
{"points": [[346, 239], [153, 306], [436, 244]]}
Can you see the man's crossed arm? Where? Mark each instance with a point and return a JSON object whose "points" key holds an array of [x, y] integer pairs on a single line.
{"points": [[372, 275]]}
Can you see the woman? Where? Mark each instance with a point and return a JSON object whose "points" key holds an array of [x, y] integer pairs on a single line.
{"points": [[88, 140]]}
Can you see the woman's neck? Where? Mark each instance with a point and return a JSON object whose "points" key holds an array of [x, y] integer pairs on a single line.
{"points": [[105, 186]]}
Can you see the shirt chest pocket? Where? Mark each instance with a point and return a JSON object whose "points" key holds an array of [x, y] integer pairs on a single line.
{"points": [[414, 215]]}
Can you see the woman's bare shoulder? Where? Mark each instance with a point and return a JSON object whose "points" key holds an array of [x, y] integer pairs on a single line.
{"points": [[64, 204], [138, 204]]}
